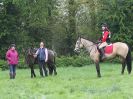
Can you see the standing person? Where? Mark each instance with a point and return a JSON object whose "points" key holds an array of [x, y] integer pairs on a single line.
{"points": [[42, 54], [106, 35], [12, 58]]}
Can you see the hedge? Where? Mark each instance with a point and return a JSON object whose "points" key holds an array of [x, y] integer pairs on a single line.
{"points": [[62, 61], [75, 61]]}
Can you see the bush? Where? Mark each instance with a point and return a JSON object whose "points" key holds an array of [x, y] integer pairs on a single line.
{"points": [[3, 64], [62, 61], [21, 65], [76, 61]]}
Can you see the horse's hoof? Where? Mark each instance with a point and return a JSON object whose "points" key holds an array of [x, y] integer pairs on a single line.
{"points": [[55, 73], [99, 76]]}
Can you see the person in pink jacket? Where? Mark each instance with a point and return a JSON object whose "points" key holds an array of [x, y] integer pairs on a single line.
{"points": [[12, 58]]}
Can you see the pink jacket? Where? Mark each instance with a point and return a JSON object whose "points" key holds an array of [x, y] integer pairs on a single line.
{"points": [[12, 57]]}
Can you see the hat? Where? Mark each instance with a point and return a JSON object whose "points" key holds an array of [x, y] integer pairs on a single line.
{"points": [[104, 24], [12, 45]]}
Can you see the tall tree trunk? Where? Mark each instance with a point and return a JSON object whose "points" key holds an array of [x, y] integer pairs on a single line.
{"points": [[72, 26], [93, 17]]}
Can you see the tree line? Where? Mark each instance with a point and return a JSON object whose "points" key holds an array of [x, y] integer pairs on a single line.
{"points": [[59, 22]]}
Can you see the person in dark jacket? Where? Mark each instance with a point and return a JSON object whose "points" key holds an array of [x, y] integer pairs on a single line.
{"points": [[42, 55]]}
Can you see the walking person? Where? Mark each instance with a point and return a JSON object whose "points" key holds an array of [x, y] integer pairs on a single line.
{"points": [[42, 55], [12, 58]]}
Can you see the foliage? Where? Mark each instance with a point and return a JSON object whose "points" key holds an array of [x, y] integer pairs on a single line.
{"points": [[62, 61], [118, 14], [76, 61], [60, 22], [3, 65]]}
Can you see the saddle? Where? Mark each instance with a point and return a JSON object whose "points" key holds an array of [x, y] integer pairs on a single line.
{"points": [[108, 49]]}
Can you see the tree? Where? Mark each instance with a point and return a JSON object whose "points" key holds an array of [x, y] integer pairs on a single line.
{"points": [[118, 14]]}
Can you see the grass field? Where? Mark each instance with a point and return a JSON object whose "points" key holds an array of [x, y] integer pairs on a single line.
{"points": [[70, 83]]}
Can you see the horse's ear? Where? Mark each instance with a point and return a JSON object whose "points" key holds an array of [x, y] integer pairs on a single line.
{"points": [[32, 46], [79, 36], [23, 50]]}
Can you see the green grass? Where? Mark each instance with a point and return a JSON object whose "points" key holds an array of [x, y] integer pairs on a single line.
{"points": [[70, 83]]}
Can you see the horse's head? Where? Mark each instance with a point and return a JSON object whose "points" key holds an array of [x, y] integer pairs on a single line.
{"points": [[78, 45], [31, 51]]}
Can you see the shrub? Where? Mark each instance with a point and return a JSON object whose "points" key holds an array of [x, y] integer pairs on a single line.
{"points": [[22, 64], [76, 61], [62, 61], [3, 64]]}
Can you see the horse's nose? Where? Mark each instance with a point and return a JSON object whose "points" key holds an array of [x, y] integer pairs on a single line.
{"points": [[75, 50]]}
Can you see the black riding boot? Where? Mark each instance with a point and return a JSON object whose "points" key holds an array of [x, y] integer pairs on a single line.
{"points": [[102, 52]]}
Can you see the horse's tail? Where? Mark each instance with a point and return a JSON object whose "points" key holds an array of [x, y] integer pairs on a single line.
{"points": [[129, 61]]}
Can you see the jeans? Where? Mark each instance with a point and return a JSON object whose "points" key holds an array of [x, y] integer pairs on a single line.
{"points": [[12, 71], [42, 68]]}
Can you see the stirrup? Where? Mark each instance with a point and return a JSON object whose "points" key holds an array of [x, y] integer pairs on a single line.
{"points": [[103, 57]]}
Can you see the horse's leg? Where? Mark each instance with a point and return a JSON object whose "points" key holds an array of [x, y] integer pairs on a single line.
{"points": [[54, 68], [98, 69], [31, 71], [50, 69], [34, 73], [123, 66]]}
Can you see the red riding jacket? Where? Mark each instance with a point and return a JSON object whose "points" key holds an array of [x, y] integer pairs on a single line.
{"points": [[105, 36]]}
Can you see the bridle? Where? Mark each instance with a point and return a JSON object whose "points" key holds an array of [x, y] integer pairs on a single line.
{"points": [[30, 52]]}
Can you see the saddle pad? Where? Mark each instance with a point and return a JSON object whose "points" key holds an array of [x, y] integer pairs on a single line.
{"points": [[108, 49]]}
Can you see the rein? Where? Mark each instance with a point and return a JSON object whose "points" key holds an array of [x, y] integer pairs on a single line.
{"points": [[89, 46]]}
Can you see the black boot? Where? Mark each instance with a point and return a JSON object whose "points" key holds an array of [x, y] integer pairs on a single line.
{"points": [[102, 52], [14, 75], [11, 76]]}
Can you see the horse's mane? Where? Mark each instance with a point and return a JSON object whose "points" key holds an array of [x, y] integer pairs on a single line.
{"points": [[88, 41], [91, 41]]}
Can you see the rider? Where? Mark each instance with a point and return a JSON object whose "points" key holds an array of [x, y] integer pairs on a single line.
{"points": [[105, 39]]}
